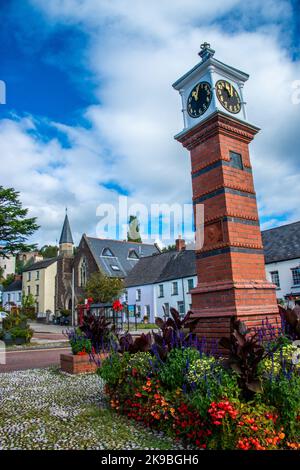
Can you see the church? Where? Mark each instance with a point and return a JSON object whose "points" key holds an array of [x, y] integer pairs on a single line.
{"points": [[113, 258]]}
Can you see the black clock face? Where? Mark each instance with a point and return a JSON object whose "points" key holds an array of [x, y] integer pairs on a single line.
{"points": [[228, 96], [199, 99]]}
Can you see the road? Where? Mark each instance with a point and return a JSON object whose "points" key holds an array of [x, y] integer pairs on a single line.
{"points": [[32, 359]]}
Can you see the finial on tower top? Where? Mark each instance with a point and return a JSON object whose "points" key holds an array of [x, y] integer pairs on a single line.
{"points": [[206, 51]]}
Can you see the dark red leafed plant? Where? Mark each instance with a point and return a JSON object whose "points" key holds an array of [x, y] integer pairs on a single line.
{"points": [[291, 321], [245, 354], [175, 333], [142, 343], [99, 330]]}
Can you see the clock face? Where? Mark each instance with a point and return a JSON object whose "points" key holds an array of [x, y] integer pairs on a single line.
{"points": [[228, 96], [199, 99]]}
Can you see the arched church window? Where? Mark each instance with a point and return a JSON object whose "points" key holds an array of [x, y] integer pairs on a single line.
{"points": [[83, 272]]}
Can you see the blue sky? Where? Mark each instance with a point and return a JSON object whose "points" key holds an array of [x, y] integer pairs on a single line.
{"points": [[91, 114]]}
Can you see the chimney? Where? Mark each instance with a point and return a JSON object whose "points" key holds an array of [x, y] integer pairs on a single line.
{"points": [[180, 244]]}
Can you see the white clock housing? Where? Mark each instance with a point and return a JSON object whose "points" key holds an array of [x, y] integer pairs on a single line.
{"points": [[210, 70]]}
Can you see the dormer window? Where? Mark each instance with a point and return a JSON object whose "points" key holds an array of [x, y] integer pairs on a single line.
{"points": [[107, 252], [132, 254]]}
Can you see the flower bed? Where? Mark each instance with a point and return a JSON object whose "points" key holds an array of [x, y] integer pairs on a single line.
{"points": [[250, 401]]}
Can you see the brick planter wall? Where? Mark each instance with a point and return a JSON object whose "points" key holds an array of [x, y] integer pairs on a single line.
{"points": [[78, 364]]}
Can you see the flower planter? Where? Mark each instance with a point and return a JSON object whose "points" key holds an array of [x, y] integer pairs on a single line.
{"points": [[79, 364]]}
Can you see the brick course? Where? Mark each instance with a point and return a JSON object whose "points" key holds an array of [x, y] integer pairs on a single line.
{"points": [[230, 265]]}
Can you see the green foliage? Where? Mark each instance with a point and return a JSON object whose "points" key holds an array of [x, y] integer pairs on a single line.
{"points": [[17, 332], [279, 361], [173, 372], [205, 366], [80, 344], [133, 234], [168, 248], [49, 251], [104, 289], [15, 227], [114, 369], [140, 364], [65, 312], [213, 387], [283, 392], [8, 280], [21, 265]]}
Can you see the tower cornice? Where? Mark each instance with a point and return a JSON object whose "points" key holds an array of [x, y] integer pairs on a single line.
{"points": [[217, 123]]}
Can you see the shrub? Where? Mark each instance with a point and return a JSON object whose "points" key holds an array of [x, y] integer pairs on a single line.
{"points": [[213, 387], [17, 332], [283, 392], [204, 366], [140, 364], [113, 369], [174, 371], [280, 360]]}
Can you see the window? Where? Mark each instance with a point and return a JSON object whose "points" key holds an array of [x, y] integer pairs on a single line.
{"points": [[180, 308], [37, 290], [275, 278], [19, 297], [28, 290], [126, 296], [132, 254], [160, 290], [8, 297], [138, 295], [37, 276], [37, 306], [147, 310], [107, 252], [82, 272], [175, 288], [190, 284], [29, 276], [138, 310], [236, 160], [296, 276], [114, 267], [166, 309]]}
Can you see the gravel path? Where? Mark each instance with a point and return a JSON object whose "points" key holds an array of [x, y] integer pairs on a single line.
{"points": [[47, 409]]}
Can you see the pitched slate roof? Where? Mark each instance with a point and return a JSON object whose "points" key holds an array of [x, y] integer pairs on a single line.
{"points": [[162, 267], [66, 234], [120, 264], [14, 286], [282, 243], [40, 264]]}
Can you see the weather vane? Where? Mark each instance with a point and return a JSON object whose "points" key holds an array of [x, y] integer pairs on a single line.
{"points": [[206, 51]]}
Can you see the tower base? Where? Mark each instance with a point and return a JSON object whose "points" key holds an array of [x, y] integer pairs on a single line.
{"points": [[254, 303]]}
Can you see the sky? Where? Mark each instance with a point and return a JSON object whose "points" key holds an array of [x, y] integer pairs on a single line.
{"points": [[90, 112]]}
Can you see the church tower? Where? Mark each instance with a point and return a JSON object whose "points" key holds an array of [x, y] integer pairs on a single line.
{"points": [[229, 254], [66, 243], [63, 295]]}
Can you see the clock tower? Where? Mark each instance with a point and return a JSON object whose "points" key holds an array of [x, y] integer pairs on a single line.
{"points": [[230, 261]]}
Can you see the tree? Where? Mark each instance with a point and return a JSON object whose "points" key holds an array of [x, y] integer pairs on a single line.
{"points": [[9, 279], [15, 227], [104, 289], [133, 234], [49, 251], [168, 248]]}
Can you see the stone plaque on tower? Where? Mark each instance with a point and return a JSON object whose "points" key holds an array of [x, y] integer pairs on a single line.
{"points": [[230, 264]]}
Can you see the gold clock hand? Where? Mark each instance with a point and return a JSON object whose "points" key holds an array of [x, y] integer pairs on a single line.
{"points": [[196, 93]]}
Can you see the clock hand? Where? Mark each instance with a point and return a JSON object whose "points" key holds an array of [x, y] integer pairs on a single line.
{"points": [[196, 93]]}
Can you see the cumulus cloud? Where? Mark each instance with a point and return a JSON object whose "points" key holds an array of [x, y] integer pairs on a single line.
{"points": [[136, 50]]}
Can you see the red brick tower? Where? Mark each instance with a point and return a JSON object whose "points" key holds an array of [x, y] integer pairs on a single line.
{"points": [[230, 262]]}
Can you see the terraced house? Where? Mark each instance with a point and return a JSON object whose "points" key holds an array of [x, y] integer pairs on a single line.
{"points": [[39, 280]]}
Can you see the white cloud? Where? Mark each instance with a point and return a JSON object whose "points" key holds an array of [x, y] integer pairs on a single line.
{"points": [[136, 50]]}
